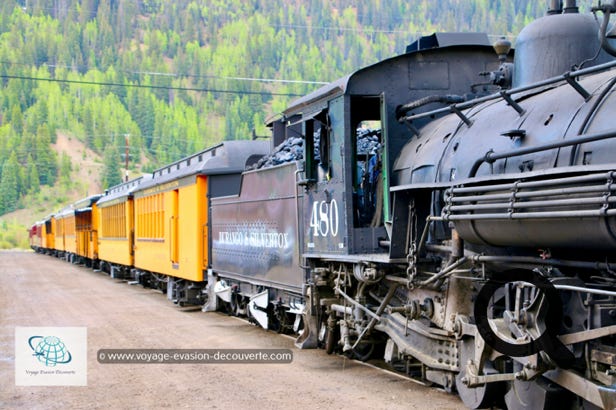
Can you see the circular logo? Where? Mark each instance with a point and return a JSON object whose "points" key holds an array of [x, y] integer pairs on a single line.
{"points": [[49, 350]]}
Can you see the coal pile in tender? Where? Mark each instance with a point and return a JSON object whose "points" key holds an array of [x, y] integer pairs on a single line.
{"points": [[368, 141], [292, 149]]}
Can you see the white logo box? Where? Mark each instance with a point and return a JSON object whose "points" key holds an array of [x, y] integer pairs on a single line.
{"points": [[51, 356]]}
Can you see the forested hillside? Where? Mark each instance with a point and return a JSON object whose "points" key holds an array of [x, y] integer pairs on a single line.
{"points": [[173, 77]]}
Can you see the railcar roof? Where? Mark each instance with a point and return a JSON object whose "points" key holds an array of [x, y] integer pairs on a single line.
{"points": [[122, 190], [225, 158], [86, 202], [66, 211], [327, 92]]}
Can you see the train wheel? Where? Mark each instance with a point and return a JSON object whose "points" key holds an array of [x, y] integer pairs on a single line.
{"points": [[240, 307], [285, 323], [479, 396], [541, 394], [234, 304]]}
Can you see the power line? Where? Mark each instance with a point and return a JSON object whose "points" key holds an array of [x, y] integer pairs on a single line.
{"points": [[160, 87], [333, 28], [263, 80], [174, 75]]}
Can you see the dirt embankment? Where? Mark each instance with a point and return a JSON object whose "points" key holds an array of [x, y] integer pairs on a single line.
{"points": [[87, 165]]}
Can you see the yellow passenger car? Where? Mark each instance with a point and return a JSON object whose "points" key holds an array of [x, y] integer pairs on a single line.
{"points": [[64, 241], [86, 231], [115, 228], [171, 217], [48, 235]]}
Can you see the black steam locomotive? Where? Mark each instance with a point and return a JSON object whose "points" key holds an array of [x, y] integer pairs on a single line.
{"points": [[452, 213]]}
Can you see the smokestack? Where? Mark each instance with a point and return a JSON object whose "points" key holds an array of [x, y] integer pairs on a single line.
{"points": [[556, 7], [553, 44], [571, 7]]}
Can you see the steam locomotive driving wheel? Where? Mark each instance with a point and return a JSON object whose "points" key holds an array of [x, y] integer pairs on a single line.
{"points": [[518, 315]]}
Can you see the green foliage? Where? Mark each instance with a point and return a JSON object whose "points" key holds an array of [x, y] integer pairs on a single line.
{"points": [[13, 235], [100, 70], [32, 175], [111, 172], [65, 170], [44, 156], [10, 185]]}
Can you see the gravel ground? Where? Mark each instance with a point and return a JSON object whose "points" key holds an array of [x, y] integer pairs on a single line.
{"points": [[39, 290]]}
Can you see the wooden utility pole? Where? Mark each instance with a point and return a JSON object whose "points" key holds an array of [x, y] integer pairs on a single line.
{"points": [[126, 155]]}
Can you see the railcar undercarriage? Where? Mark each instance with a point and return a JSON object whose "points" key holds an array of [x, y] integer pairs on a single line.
{"points": [[274, 309]]}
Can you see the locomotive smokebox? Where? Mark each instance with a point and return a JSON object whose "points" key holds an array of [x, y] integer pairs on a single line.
{"points": [[555, 44]]}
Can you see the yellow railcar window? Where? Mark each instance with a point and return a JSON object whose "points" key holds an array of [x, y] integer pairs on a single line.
{"points": [[150, 216], [84, 221], [69, 225], [114, 221]]}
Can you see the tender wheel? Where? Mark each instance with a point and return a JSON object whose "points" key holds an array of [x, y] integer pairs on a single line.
{"points": [[481, 396]]}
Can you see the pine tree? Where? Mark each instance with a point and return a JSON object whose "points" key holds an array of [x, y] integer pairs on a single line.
{"points": [[65, 170], [9, 185], [32, 175], [111, 171], [46, 157]]}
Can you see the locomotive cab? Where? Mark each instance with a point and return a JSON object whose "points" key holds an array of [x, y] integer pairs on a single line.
{"points": [[344, 214], [351, 136]]}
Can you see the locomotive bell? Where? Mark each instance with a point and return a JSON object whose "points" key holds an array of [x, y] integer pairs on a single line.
{"points": [[556, 44], [502, 46], [503, 76]]}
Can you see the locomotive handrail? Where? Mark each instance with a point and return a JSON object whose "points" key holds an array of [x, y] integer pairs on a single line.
{"points": [[503, 94], [508, 206], [490, 157], [523, 201], [443, 99], [602, 176]]}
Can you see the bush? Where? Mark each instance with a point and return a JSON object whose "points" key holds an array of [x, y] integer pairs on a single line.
{"points": [[13, 236]]}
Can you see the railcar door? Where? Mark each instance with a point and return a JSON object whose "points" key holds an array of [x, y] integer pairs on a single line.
{"points": [[174, 228]]}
